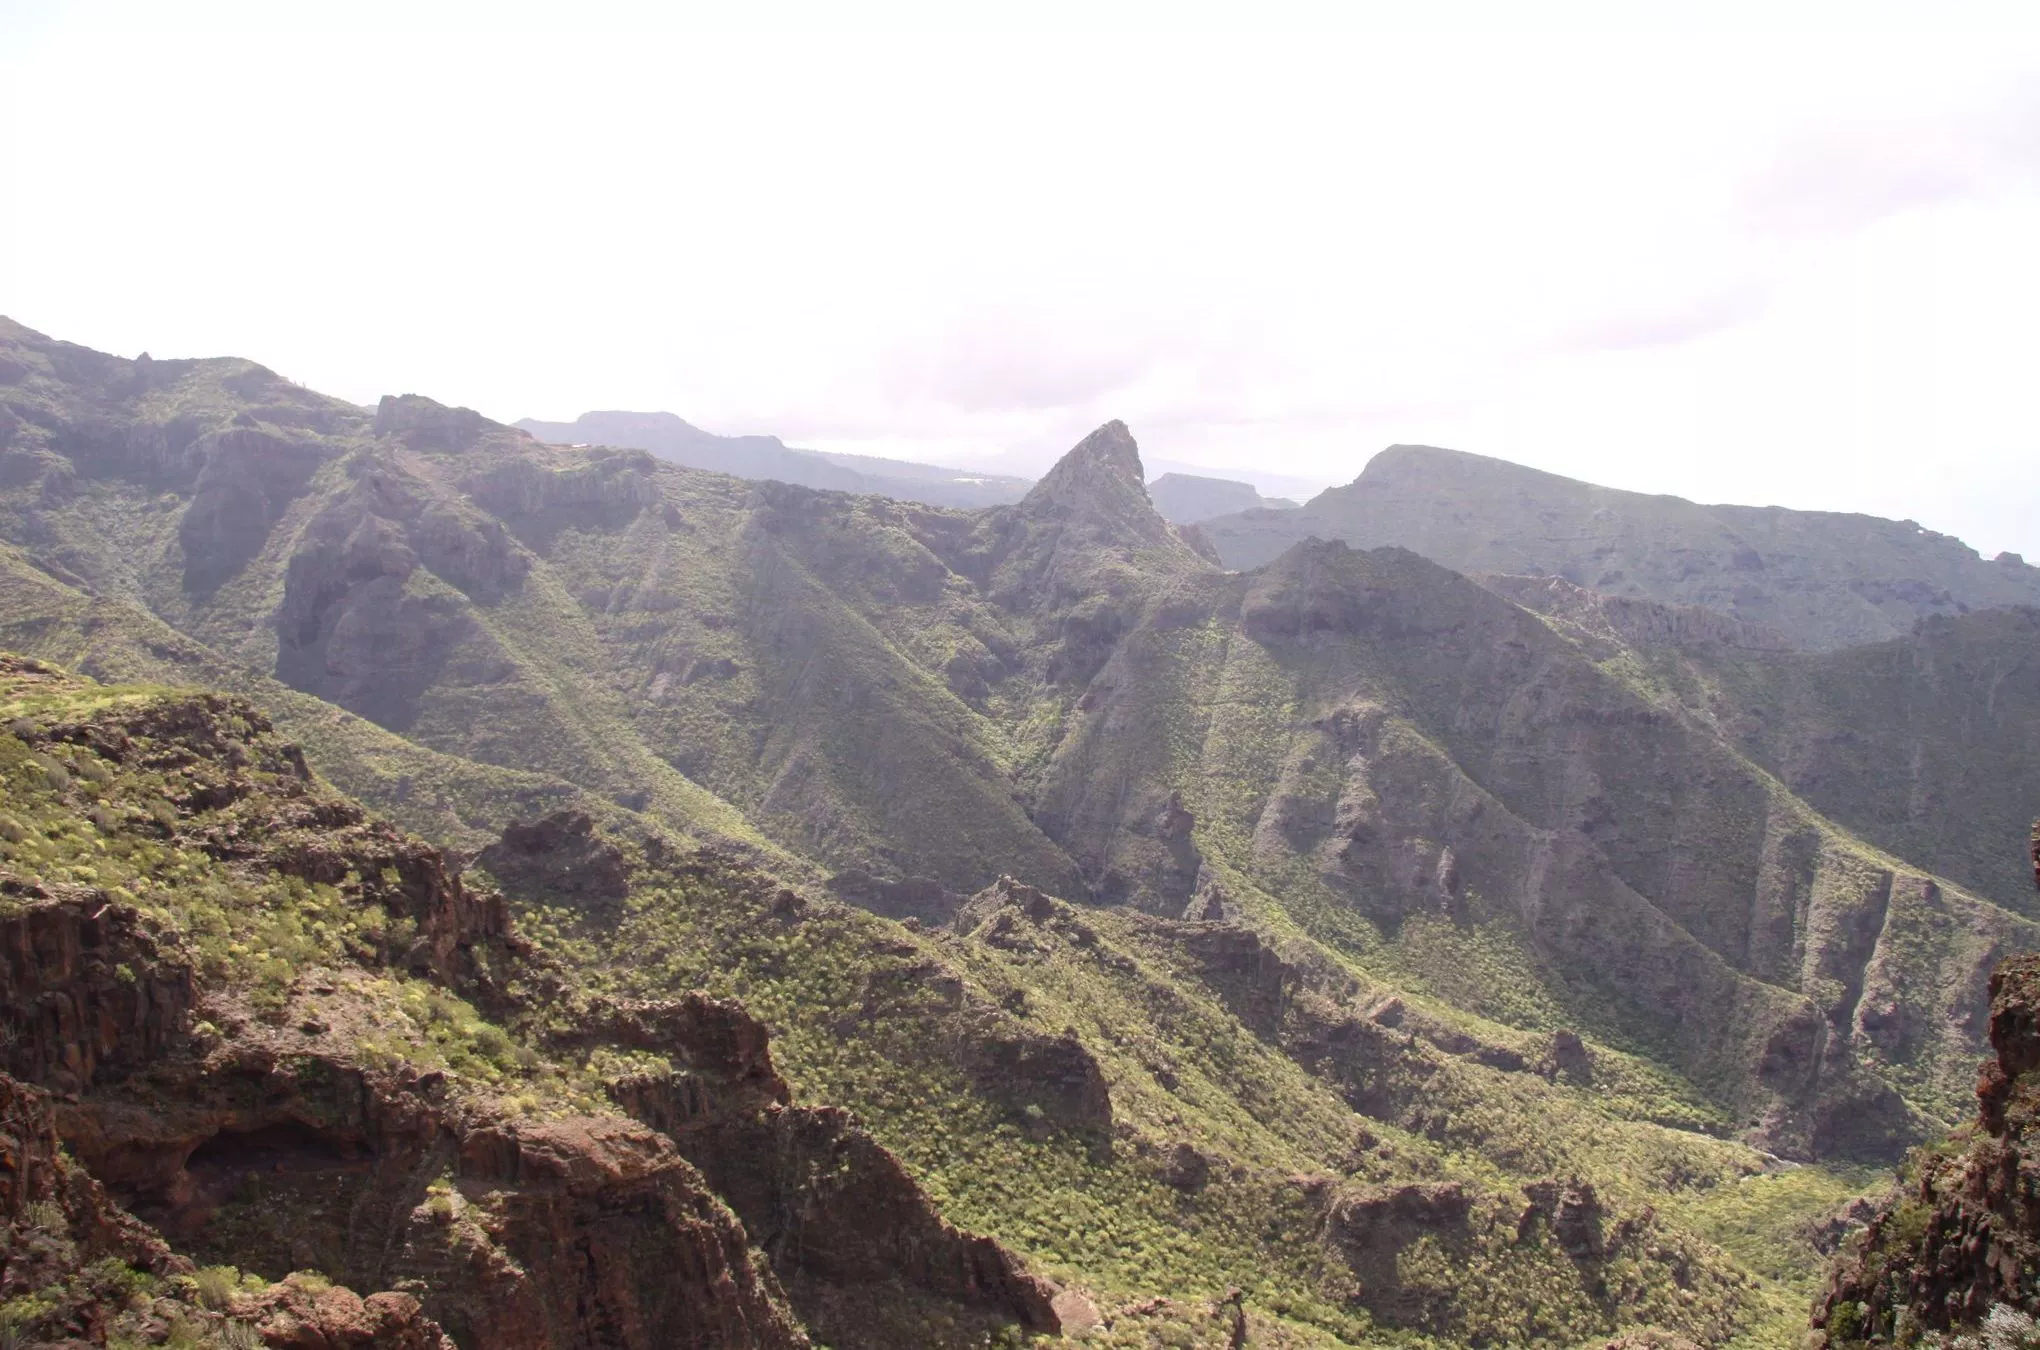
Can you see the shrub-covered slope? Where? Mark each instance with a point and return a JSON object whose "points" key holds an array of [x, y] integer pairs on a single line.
{"points": [[298, 1043]]}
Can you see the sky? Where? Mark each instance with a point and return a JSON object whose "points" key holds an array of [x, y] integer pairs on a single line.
{"points": [[1768, 254]]}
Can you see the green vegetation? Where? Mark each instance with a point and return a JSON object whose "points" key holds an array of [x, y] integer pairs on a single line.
{"points": [[1460, 835]]}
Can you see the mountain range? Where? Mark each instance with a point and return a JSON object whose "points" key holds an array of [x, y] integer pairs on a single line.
{"points": [[1528, 929]]}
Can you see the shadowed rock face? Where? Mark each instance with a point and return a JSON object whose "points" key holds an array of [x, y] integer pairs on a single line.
{"points": [[1962, 1236], [60, 1227]]}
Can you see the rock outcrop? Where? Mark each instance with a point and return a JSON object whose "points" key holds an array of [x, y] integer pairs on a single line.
{"points": [[75, 1259], [834, 1211]]}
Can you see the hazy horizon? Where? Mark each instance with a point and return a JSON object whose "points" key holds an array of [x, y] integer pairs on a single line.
{"points": [[1740, 264]]}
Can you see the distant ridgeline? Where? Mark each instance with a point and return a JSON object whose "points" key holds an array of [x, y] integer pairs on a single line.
{"points": [[1822, 578], [767, 457], [1415, 952]]}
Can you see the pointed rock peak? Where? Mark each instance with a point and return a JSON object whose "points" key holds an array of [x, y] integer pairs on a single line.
{"points": [[1112, 447], [1095, 496], [1106, 461], [426, 425]]}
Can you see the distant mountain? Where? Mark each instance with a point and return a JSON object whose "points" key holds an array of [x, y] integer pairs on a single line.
{"points": [[1185, 499], [767, 457], [1824, 578]]}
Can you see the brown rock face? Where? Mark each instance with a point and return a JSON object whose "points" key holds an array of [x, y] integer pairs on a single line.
{"points": [[85, 990], [561, 857], [298, 1315], [1372, 1227], [1964, 1235], [1573, 1212], [289, 1142], [57, 1222], [376, 1177], [830, 1206]]}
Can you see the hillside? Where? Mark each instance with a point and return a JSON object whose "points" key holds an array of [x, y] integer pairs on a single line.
{"points": [[293, 1042], [305, 1055], [1420, 956], [1923, 745], [1826, 579], [767, 457]]}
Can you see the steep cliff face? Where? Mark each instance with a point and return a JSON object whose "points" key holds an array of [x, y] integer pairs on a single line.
{"points": [[78, 1268], [1960, 1236]]}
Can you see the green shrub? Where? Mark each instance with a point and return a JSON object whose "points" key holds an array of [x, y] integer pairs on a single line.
{"points": [[216, 1285]]}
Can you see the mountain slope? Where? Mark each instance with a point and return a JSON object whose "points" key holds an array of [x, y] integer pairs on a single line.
{"points": [[1339, 908], [767, 457], [1064, 689], [1923, 745], [1826, 579], [1953, 1246]]}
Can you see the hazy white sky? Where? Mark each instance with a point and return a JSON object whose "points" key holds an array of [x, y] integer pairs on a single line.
{"points": [[1758, 264]]}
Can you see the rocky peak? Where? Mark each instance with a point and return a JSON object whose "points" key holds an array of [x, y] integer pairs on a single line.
{"points": [[1102, 472], [1086, 535]]}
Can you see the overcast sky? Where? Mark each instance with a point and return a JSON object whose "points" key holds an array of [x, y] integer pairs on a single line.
{"points": [[1795, 266]]}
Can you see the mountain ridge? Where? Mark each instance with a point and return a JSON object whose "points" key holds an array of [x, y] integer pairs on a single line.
{"points": [[1828, 578]]}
